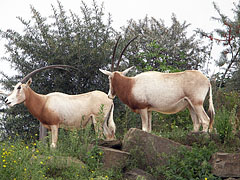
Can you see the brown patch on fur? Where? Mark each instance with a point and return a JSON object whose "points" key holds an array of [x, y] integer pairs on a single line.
{"points": [[36, 106], [122, 86]]}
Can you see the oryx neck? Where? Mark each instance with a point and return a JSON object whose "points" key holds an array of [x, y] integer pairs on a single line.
{"points": [[122, 85], [34, 101]]}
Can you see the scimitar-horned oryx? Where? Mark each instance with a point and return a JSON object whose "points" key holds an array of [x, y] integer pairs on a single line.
{"points": [[167, 93], [57, 109]]}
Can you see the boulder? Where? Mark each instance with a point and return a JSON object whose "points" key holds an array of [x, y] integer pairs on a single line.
{"points": [[113, 158], [135, 174], [226, 164], [148, 149]]}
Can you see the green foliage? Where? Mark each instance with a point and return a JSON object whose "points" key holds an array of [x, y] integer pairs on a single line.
{"points": [[161, 47], [154, 59], [126, 120], [228, 99], [36, 160], [225, 123], [167, 123], [189, 164], [20, 160]]}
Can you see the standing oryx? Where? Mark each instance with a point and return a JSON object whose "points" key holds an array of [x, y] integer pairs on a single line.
{"points": [[167, 93], [57, 109]]}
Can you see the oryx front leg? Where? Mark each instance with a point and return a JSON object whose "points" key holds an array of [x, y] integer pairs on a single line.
{"points": [[149, 121], [54, 132], [144, 117]]}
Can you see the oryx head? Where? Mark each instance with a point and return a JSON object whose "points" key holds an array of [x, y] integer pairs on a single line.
{"points": [[111, 93], [109, 130], [18, 95]]}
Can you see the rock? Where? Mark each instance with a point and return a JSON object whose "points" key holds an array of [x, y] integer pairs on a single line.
{"points": [[226, 164], [136, 174], [113, 158], [149, 150]]}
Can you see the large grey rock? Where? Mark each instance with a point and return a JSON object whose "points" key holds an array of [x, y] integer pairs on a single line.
{"points": [[226, 164], [147, 149], [138, 174], [113, 158]]}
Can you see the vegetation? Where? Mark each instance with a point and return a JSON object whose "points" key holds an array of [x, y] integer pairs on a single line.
{"points": [[35, 160], [86, 41]]}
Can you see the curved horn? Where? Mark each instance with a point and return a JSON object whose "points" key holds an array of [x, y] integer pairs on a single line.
{"points": [[124, 49], [106, 129], [114, 53], [43, 68]]}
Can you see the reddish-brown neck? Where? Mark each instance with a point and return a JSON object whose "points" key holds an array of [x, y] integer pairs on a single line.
{"points": [[34, 102], [123, 86]]}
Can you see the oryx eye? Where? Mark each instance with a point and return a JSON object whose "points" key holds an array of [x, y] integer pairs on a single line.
{"points": [[19, 87]]}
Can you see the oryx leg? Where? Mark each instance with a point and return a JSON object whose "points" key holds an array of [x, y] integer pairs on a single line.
{"points": [[203, 117], [149, 121], [144, 116], [196, 123], [54, 132]]}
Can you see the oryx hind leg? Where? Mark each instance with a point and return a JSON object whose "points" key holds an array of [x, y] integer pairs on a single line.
{"points": [[203, 117], [195, 120]]}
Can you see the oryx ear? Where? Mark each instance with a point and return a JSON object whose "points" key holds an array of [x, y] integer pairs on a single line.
{"points": [[127, 70], [29, 82], [108, 73]]}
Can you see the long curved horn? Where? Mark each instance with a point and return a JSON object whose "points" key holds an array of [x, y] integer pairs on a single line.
{"points": [[106, 129], [43, 68], [114, 53], [124, 49]]}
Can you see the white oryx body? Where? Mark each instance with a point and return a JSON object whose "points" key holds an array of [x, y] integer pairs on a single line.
{"points": [[56, 109], [167, 93]]}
